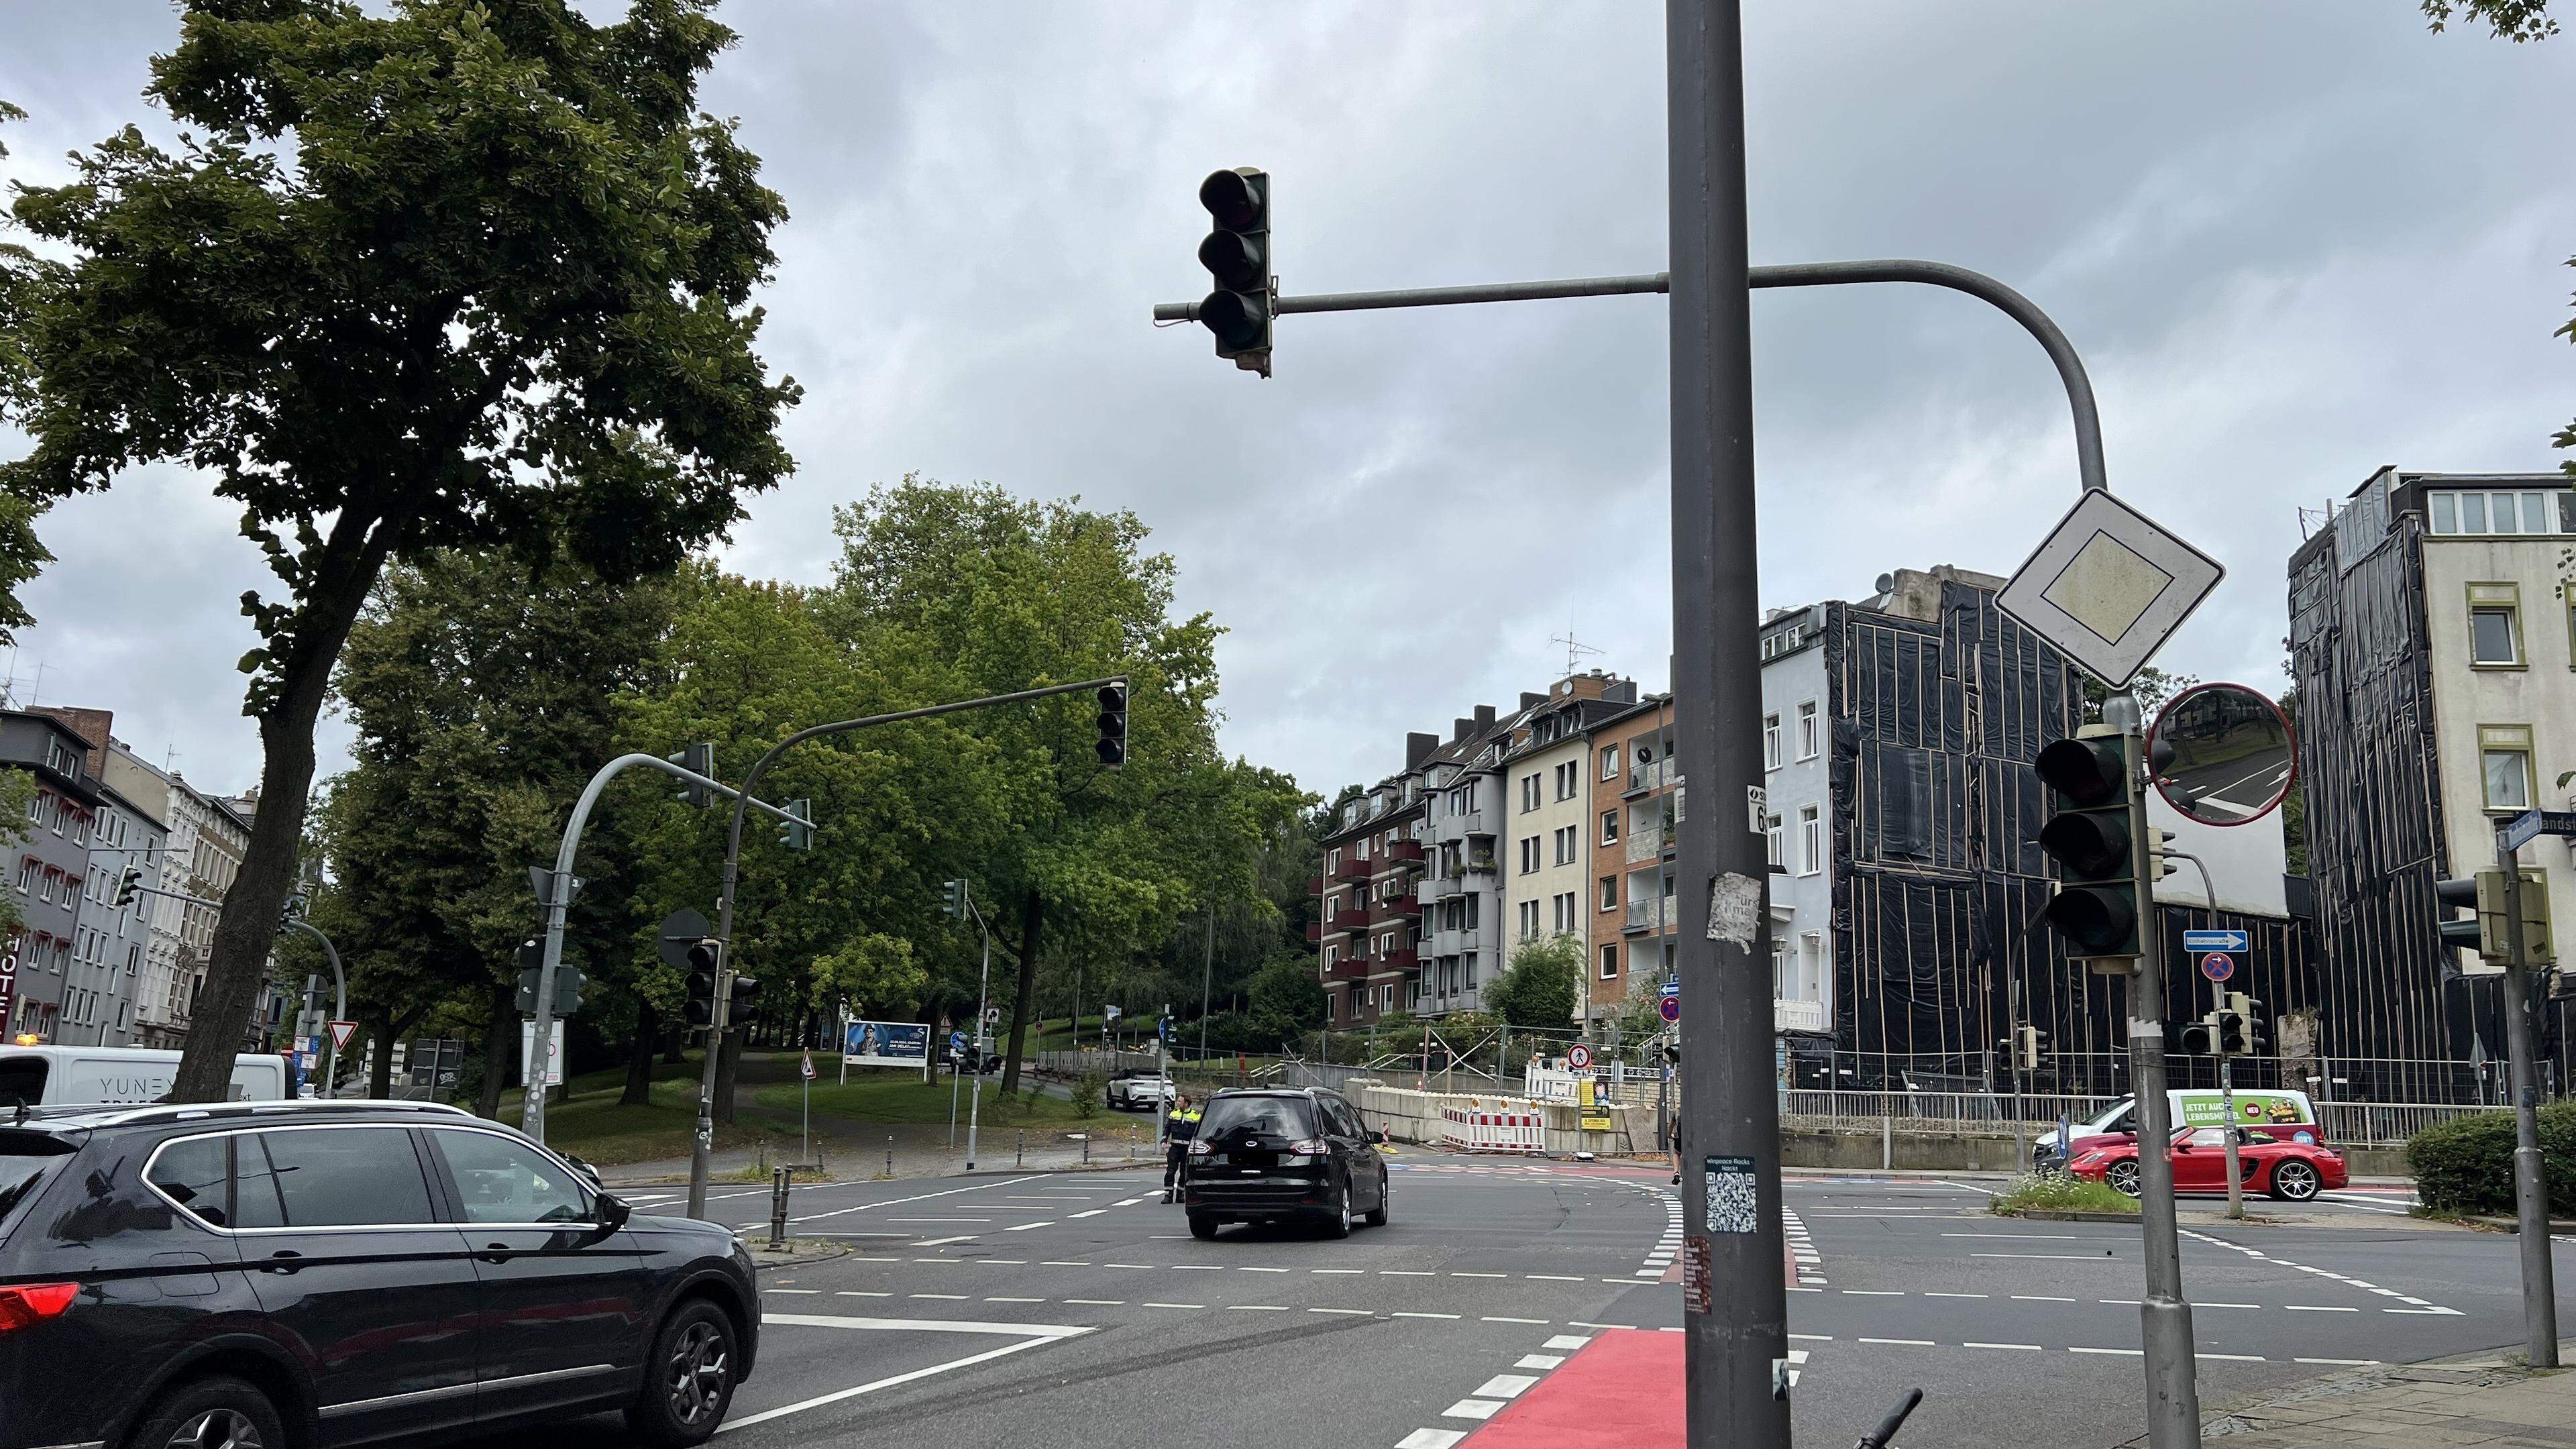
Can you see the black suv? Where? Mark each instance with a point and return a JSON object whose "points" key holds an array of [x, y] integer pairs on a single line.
{"points": [[1283, 1155], [289, 1275]]}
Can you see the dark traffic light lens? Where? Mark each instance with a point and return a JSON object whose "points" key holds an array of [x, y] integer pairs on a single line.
{"points": [[1240, 263], [2094, 919], [1231, 198], [1111, 752], [2084, 771], [2088, 845], [1235, 317]]}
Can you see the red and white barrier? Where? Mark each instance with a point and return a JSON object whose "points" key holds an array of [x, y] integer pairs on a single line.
{"points": [[1493, 1127]]}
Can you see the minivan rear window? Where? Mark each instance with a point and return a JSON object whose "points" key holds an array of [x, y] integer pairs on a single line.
{"points": [[1290, 1117], [27, 1160]]}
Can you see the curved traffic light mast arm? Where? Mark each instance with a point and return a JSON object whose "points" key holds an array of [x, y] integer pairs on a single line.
{"points": [[2052, 338], [339, 1003], [704, 1141]]}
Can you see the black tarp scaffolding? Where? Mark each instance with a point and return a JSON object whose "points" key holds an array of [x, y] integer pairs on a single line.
{"points": [[1938, 877]]}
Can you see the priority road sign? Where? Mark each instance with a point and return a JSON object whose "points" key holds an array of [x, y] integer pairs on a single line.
{"points": [[2195, 942], [341, 1031], [2217, 965], [2108, 586]]}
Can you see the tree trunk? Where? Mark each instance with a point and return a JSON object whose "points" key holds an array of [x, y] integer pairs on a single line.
{"points": [[380, 1072], [728, 1066], [675, 1049], [1032, 916], [639, 1059], [341, 574], [499, 1031]]}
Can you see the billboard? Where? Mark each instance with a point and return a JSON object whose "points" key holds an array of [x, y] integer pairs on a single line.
{"points": [[885, 1043]]}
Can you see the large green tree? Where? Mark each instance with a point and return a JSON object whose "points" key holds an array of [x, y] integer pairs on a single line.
{"points": [[483, 699], [420, 276], [1540, 987]]}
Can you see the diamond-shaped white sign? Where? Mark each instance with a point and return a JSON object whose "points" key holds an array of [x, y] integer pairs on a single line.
{"points": [[2108, 587]]}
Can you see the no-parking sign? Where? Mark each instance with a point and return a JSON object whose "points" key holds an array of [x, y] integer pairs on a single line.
{"points": [[1672, 1008], [2217, 965]]}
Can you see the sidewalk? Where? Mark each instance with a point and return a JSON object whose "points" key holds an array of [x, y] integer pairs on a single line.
{"points": [[2487, 1401]]}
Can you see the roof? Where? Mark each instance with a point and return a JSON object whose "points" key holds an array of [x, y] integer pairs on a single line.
{"points": [[93, 1116]]}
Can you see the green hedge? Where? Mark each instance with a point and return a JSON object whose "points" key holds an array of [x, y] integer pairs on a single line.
{"points": [[2466, 1165]]}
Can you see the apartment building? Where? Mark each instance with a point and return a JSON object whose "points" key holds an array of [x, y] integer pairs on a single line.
{"points": [[103, 988], [1798, 806], [36, 968], [1463, 899], [1548, 787], [203, 841], [1368, 933], [2433, 641], [1636, 800]]}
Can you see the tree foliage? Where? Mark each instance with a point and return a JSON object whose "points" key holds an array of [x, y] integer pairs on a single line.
{"points": [[432, 275], [1540, 987]]}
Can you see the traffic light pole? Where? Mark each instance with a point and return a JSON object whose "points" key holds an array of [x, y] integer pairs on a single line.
{"points": [[2530, 1187], [339, 1005], [702, 1145], [556, 900]]}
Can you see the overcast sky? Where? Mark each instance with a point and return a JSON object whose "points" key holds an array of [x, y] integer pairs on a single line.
{"points": [[2293, 242]]}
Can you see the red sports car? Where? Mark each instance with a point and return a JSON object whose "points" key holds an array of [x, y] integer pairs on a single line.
{"points": [[2290, 1171]]}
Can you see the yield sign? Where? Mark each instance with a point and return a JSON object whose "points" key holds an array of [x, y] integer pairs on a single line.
{"points": [[341, 1031]]}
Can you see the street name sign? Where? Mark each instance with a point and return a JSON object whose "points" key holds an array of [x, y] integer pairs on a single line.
{"points": [[2108, 586], [2195, 942], [2530, 825]]}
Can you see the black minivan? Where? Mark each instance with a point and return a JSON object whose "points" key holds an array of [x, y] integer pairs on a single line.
{"points": [[1283, 1155], [315, 1274]]}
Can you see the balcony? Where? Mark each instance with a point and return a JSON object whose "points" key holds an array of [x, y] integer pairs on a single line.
{"points": [[1646, 779], [1439, 888], [1649, 841], [1315, 885], [1349, 968], [1798, 1016], [1482, 865], [1474, 822], [1314, 933], [1348, 920], [1401, 959], [1650, 915], [1353, 868], [1403, 852], [1402, 908]]}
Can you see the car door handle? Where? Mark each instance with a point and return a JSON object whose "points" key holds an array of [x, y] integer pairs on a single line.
{"points": [[283, 1261], [495, 1253]]}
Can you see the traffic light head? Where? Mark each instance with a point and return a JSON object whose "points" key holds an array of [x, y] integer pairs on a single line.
{"points": [[705, 959], [2201, 1037], [744, 1002], [1112, 747], [2092, 784], [2085, 772], [2231, 1034], [953, 899], [129, 886], [1237, 256], [698, 759], [2459, 895], [798, 834]]}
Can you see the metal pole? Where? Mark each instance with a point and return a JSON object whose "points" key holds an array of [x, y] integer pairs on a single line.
{"points": [[702, 1146], [1734, 1302], [983, 1040], [1207, 977], [2173, 1393], [339, 1003], [2226, 1064], [2530, 1188]]}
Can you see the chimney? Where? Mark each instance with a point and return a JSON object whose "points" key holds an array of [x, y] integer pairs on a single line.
{"points": [[1418, 747], [1484, 717], [90, 724], [1458, 728], [1528, 699]]}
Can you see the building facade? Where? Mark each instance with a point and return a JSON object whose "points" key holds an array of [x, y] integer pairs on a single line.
{"points": [[52, 870], [203, 841], [1636, 798], [1548, 788], [1368, 932], [1798, 805], [2433, 643]]}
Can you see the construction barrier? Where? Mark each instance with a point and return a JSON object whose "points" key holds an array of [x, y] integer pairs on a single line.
{"points": [[1493, 1127]]}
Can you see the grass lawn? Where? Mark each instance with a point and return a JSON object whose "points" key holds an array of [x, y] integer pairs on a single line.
{"points": [[874, 1095], [592, 1124], [2061, 1193]]}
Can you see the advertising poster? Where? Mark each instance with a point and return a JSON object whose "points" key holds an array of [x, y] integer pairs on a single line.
{"points": [[2253, 1109], [885, 1044]]}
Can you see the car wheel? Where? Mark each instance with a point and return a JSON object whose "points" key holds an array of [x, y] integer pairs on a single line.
{"points": [[1377, 1215], [210, 1413], [2293, 1181], [1338, 1225], [688, 1379], [1202, 1226], [2123, 1176]]}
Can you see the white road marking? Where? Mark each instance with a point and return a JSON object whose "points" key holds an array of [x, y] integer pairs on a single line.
{"points": [[1505, 1386], [859, 1293], [1262, 1270], [791, 1291], [1540, 1277], [939, 1220], [2128, 1352], [2030, 1347], [923, 1197], [1095, 1212], [1176, 1305], [1490, 1318], [1538, 1360], [1401, 1314], [1814, 1337], [943, 1242], [2317, 1308], [1908, 1342], [1568, 1340], [1060, 1263], [1430, 1439], [1256, 1307], [1930, 1294], [1031, 1335], [2340, 1362], [2233, 1357], [2039, 1298], [1350, 1270], [1099, 1302], [2068, 1257], [1473, 1409], [1354, 1312], [951, 1297], [1015, 1300], [1024, 1227], [1480, 1275]]}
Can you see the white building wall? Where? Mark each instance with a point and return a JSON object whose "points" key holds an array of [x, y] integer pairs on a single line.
{"points": [[1557, 897], [1802, 938]]}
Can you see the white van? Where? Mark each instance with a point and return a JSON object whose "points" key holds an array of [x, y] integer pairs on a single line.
{"points": [[2287, 1114], [54, 1076]]}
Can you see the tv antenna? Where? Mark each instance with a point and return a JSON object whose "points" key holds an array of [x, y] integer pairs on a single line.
{"points": [[1574, 650]]}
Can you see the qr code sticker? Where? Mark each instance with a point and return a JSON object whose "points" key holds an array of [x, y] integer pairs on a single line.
{"points": [[1731, 1206]]}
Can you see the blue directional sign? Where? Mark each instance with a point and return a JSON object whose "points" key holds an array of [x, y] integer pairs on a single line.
{"points": [[2532, 824], [1672, 988], [2195, 942]]}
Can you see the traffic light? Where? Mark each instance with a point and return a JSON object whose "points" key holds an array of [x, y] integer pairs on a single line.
{"points": [[2249, 1024], [2093, 785], [2200, 1038], [532, 961], [2231, 1032], [1113, 725], [952, 896], [698, 759], [2033, 1045], [128, 886], [1237, 256], [798, 834], [288, 913], [704, 959], [2468, 935], [2536, 947], [569, 980], [744, 1003]]}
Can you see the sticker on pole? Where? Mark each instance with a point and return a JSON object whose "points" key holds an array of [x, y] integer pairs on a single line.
{"points": [[2217, 965], [341, 1031], [1731, 1204], [1696, 1297], [2108, 586]]}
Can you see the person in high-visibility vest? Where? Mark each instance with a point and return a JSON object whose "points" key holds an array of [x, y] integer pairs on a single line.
{"points": [[1180, 1127]]}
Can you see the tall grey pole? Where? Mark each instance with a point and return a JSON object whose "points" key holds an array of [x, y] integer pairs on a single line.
{"points": [[2173, 1391], [1207, 978], [1734, 1299], [339, 1006], [983, 1038], [2530, 1188]]}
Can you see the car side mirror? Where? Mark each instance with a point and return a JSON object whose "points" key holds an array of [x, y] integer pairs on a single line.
{"points": [[610, 1213], [2183, 1146]]}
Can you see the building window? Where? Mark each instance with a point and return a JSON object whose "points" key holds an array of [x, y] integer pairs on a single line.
{"points": [[36, 805], [1566, 845], [80, 828], [1332, 954], [1771, 835], [1529, 854], [1610, 763], [2504, 759], [1770, 741], [1609, 827], [1610, 961], [1529, 793], [1529, 920], [1332, 860], [1564, 913], [1568, 775], [26, 874], [2540, 511], [1609, 892], [1810, 741], [1811, 840], [2495, 626], [1469, 961]]}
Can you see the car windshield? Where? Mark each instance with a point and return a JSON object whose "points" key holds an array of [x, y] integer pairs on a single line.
{"points": [[1292, 1117]]}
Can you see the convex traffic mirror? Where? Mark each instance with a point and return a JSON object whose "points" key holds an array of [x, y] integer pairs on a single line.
{"points": [[2222, 754]]}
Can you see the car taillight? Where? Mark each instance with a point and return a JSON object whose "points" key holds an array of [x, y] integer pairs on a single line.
{"points": [[1201, 1147], [1312, 1147], [29, 1304]]}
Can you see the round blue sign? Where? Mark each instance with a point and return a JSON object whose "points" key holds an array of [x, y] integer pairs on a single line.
{"points": [[2217, 965]]}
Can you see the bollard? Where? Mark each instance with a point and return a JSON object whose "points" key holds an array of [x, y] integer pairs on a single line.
{"points": [[1086, 1149], [1886, 1143], [778, 1180], [889, 1154], [1020, 1154]]}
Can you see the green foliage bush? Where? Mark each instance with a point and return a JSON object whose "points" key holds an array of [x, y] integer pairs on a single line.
{"points": [[2466, 1165], [2061, 1193]]}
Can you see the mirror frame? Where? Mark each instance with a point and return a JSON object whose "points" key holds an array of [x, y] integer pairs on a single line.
{"points": [[2289, 732]]}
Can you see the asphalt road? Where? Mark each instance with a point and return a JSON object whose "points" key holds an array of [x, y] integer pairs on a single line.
{"points": [[2230, 789], [1075, 1309]]}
